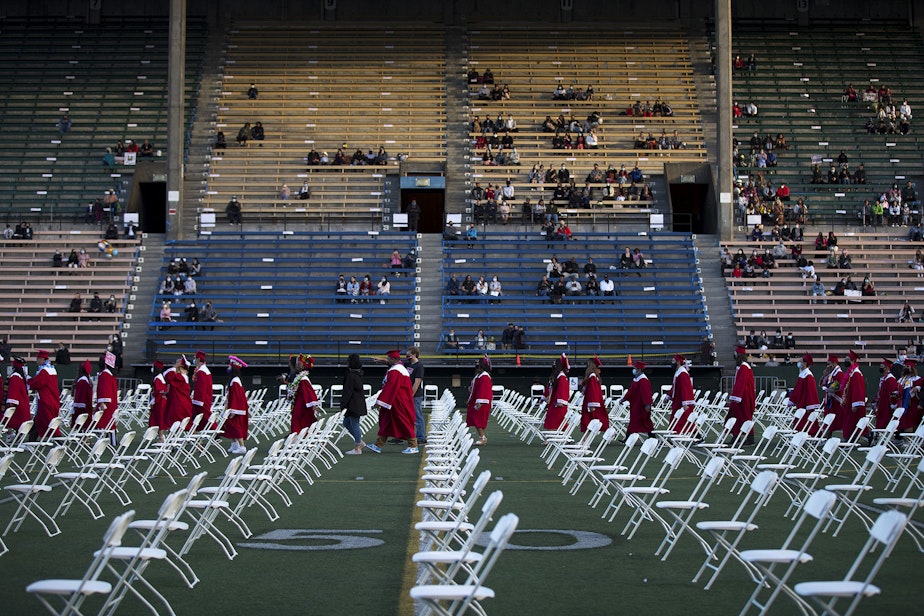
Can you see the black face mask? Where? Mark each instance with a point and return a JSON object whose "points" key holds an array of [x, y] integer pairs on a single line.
{"points": [[881, 370]]}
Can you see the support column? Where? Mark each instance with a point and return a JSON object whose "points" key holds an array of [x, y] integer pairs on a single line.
{"points": [[176, 78], [723, 96]]}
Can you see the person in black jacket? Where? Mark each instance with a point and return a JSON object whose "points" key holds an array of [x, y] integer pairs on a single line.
{"points": [[353, 402]]}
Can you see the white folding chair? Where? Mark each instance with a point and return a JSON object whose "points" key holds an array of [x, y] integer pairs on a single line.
{"points": [[74, 592], [777, 565], [642, 497], [15, 446], [848, 494], [458, 599], [5, 463], [75, 481], [635, 473], [584, 460], [26, 494], [883, 535], [682, 511], [727, 534], [911, 500]]}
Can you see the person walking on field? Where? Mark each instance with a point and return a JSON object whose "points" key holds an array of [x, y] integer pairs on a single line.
{"points": [[235, 427], [353, 403], [559, 393], [480, 398], [396, 407], [639, 398]]}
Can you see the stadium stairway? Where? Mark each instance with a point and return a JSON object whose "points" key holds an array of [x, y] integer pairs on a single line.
{"points": [[705, 90], [458, 166], [715, 292], [134, 332], [428, 304]]}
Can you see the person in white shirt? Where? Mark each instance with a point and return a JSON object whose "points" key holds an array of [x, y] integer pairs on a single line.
{"points": [[508, 191]]}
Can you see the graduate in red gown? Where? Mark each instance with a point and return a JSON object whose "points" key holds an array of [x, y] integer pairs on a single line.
{"points": [[681, 395], [639, 398], [45, 384], [559, 393], [833, 382], [480, 397], [396, 407], [854, 399], [592, 406], [235, 427], [202, 391], [304, 398], [17, 394], [888, 395], [805, 393], [107, 397], [179, 404], [743, 396], [910, 384], [158, 407], [83, 392]]}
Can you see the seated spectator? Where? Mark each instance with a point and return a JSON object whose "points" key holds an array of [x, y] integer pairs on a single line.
{"points": [[573, 287], [244, 134], [563, 232], [252, 92], [844, 261], [340, 289], [868, 289], [220, 141], [146, 150], [83, 259], [233, 211], [544, 287], [353, 290], [468, 286], [495, 289], [108, 159], [916, 233], [607, 287], [592, 288], [365, 287], [57, 260], [76, 304], [166, 314], [112, 232], [64, 124], [777, 342], [818, 289], [191, 312], [488, 77], [638, 259], [313, 157], [409, 261], [395, 259], [257, 132], [451, 340], [452, 285], [384, 288], [481, 342], [554, 269], [907, 312], [472, 233], [189, 286], [557, 292]]}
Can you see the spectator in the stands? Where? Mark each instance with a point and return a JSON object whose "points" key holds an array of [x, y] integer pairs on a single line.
{"points": [[57, 260], [868, 289], [451, 340], [221, 141], [481, 342], [916, 233], [907, 312], [365, 287], [108, 159], [257, 132], [76, 304], [83, 259], [244, 134], [64, 124], [468, 286], [452, 285], [450, 233], [543, 287], [146, 150], [252, 92], [285, 193], [471, 234], [112, 232], [233, 211], [340, 289], [384, 288], [508, 335], [844, 260]]}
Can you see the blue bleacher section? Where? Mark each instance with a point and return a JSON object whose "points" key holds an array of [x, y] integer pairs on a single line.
{"points": [[659, 310], [274, 295]]}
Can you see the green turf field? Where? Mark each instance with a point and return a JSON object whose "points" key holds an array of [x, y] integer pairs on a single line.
{"points": [[343, 547]]}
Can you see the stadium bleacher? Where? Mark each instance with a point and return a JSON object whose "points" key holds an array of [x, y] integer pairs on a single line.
{"points": [[659, 310], [111, 80], [274, 295]]}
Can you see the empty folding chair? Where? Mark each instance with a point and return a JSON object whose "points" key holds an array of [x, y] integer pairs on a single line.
{"points": [[5, 463], [883, 535], [38, 449], [681, 512], [16, 446], [444, 563], [579, 447], [904, 461], [583, 460], [594, 471], [642, 497], [449, 600], [618, 481], [728, 533], [745, 465], [775, 566], [76, 480], [454, 504], [848, 494], [134, 560], [74, 592], [26, 494], [911, 500]]}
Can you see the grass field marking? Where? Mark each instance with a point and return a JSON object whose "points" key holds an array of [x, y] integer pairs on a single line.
{"points": [[405, 603]]}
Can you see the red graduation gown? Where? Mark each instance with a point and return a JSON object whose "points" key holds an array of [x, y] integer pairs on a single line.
{"points": [[743, 397], [854, 400], [481, 395], [107, 392], [202, 395], [639, 398], [396, 404], [592, 407], [45, 384], [887, 400], [557, 405], [236, 424], [17, 395], [834, 385], [682, 398], [83, 399], [179, 405], [805, 396], [909, 396], [158, 415], [304, 404]]}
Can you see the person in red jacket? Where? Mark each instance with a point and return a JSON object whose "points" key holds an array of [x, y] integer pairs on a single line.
{"points": [[179, 404], [887, 398], [235, 427], [743, 396], [396, 407], [305, 400], [83, 392], [17, 394], [202, 391], [639, 398], [45, 384], [805, 394], [592, 406], [681, 395], [107, 397], [559, 393], [480, 397], [854, 399], [158, 407]]}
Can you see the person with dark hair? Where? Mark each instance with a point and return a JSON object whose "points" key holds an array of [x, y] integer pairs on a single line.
{"points": [[639, 398], [353, 403], [157, 416], [107, 397], [742, 399], [396, 407], [202, 396], [304, 399], [83, 392], [592, 407], [179, 404], [481, 395], [45, 384], [416, 371], [558, 394], [235, 427]]}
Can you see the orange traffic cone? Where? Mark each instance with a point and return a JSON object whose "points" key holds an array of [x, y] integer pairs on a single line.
{"points": [[518, 359], [629, 360]]}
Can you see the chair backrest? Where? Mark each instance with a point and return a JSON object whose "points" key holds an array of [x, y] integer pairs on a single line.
{"points": [[713, 467], [5, 463], [819, 504]]}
